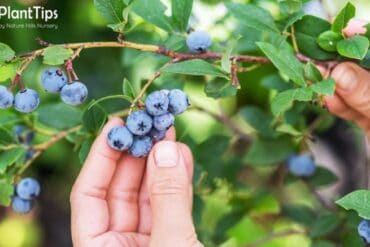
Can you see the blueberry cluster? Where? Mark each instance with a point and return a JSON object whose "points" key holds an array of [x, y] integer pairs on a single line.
{"points": [[25, 192], [364, 230], [302, 165], [144, 127], [198, 41], [54, 80]]}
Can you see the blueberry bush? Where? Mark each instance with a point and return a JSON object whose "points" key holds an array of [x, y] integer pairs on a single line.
{"points": [[256, 178]]}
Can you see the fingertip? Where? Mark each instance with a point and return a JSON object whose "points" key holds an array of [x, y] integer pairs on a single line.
{"points": [[354, 27], [188, 158], [171, 134], [346, 76]]}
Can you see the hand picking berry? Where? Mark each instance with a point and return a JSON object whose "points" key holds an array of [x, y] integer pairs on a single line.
{"points": [[301, 165], [26, 100], [53, 80], [74, 93], [6, 98], [198, 41]]}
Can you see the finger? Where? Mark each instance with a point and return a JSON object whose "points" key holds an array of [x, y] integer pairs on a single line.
{"points": [[169, 193], [354, 27], [353, 86], [124, 193], [88, 206], [189, 162], [145, 211]]}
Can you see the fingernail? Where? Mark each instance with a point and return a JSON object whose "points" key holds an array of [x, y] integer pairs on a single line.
{"points": [[166, 154], [347, 81]]}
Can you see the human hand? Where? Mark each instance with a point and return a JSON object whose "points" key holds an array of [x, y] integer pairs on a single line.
{"points": [[351, 100], [119, 200]]}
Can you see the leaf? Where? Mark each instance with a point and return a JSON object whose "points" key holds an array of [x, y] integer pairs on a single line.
{"points": [[253, 16], [285, 61], [94, 118], [322, 177], [341, 20], [328, 40], [195, 67], [288, 129], [303, 94], [366, 61], [311, 72], [325, 87], [258, 119], [6, 192], [5, 137], [59, 116], [225, 60], [291, 6], [324, 224], [355, 47], [6, 53], [111, 10], [246, 224], [293, 19], [128, 89], [153, 12], [359, 201], [181, 10], [7, 71], [84, 150], [265, 152], [8, 118], [175, 42], [56, 55], [219, 88], [282, 102], [10, 157]]}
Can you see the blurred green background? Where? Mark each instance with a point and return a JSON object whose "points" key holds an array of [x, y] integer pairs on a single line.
{"points": [[103, 71]]}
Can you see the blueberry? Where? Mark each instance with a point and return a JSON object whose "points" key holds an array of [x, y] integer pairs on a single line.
{"points": [[53, 80], [198, 41], [29, 154], [120, 138], [18, 130], [74, 93], [21, 206], [28, 188], [364, 230], [26, 100], [157, 135], [163, 122], [141, 146], [6, 98], [179, 101], [139, 123], [157, 103], [301, 165]]}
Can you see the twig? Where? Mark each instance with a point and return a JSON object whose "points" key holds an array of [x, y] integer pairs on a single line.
{"points": [[294, 40]]}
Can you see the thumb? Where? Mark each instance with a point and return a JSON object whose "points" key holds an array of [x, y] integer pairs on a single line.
{"points": [[169, 193]]}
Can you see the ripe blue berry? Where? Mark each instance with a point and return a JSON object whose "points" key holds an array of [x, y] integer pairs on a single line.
{"points": [[120, 138], [141, 146], [21, 206], [198, 41], [157, 135], [6, 98], [364, 230], [29, 154], [157, 103], [26, 100], [74, 93], [301, 165], [163, 122], [139, 123], [28, 188], [53, 80], [179, 101]]}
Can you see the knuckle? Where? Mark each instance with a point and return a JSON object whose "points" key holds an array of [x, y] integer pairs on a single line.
{"points": [[168, 186], [130, 196]]}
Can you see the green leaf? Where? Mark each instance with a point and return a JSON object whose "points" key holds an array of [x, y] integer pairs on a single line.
{"points": [[341, 20], [181, 10], [195, 67], [322, 243], [253, 16], [246, 224], [303, 94], [293, 19], [322, 177], [285, 61], [94, 118], [307, 31], [153, 12], [6, 192], [288, 129], [366, 61], [7, 71], [10, 157], [258, 119], [269, 152], [328, 40], [359, 201], [219, 88], [175, 42], [355, 47], [56, 55], [5, 137], [8, 118], [282, 102], [324, 224], [325, 87], [85, 149], [225, 60], [59, 116], [311, 72], [6, 53], [111, 10], [128, 89], [291, 6]]}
